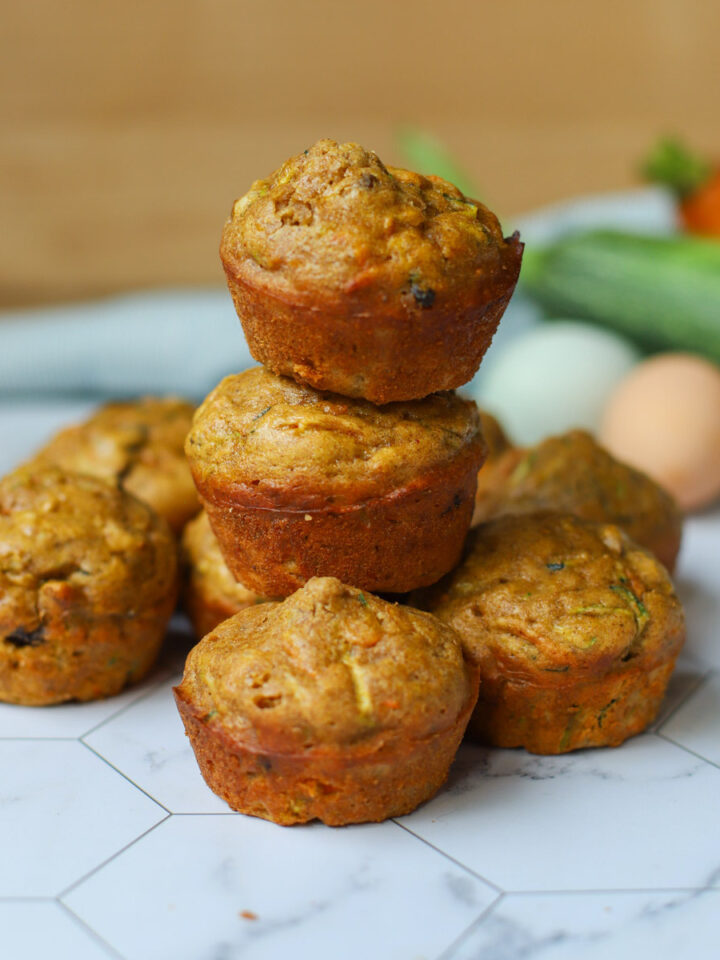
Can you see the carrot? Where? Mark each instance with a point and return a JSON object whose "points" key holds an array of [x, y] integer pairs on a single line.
{"points": [[700, 211], [694, 181]]}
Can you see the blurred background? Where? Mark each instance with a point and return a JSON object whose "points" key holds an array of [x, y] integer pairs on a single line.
{"points": [[129, 129]]}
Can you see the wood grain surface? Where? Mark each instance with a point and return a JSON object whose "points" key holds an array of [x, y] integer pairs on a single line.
{"points": [[128, 129]]}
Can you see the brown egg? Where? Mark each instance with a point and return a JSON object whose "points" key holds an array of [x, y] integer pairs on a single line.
{"points": [[664, 418]]}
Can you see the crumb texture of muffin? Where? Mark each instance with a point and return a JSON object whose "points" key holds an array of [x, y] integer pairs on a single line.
{"points": [[366, 280], [572, 473], [299, 483], [332, 705], [576, 630], [210, 592], [88, 581], [138, 445]]}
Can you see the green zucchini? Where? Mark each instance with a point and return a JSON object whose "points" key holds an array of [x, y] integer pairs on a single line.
{"points": [[661, 292]]}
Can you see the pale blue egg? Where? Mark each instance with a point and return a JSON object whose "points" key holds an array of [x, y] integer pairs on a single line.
{"points": [[556, 376]]}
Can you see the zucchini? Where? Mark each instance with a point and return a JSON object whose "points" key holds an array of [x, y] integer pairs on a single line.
{"points": [[661, 292]]}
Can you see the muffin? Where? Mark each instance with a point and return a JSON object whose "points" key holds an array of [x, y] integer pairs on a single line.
{"points": [[571, 473], [88, 581], [575, 628], [332, 705], [210, 592], [365, 280], [299, 483], [494, 471], [137, 445]]}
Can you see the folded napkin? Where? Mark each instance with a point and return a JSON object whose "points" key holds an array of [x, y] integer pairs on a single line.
{"points": [[168, 341]]}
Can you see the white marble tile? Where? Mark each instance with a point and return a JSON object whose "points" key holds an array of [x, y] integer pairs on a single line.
{"points": [[698, 584], [67, 720], [642, 816], [232, 886], [601, 926], [39, 930], [71, 720], [63, 811], [696, 724], [148, 743]]}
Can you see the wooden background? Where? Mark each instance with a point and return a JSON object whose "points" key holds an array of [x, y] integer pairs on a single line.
{"points": [[128, 129]]}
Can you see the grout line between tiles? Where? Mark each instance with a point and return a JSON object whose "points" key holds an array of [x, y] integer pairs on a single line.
{"points": [[112, 952], [90, 873], [452, 947], [124, 776], [121, 710], [697, 686], [447, 856], [681, 746]]}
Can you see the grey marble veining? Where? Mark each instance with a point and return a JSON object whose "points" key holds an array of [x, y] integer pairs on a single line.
{"points": [[595, 926]]}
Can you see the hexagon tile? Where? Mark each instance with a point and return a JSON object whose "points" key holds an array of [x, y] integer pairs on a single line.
{"points": [[595, 926], [598, 819], [64, 811], [696, 724], [32, 930], [220, 887], [67, 721], [148, 743]]}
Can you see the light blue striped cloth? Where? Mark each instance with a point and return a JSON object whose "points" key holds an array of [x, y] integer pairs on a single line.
{"points": [[167, 341]]}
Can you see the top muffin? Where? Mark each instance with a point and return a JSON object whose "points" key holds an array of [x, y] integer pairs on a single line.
{"points": [[335, 218], [340, 265]]}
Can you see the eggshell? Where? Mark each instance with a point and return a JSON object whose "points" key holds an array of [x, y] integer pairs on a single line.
{"points": [[556, 376], [665, 419]]}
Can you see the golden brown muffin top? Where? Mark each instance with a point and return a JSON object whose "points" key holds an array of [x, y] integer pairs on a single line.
{"points": [[336, 219], [329, 666], [201, 553], [138, 445], [110, 553], [283, 441], [552, 594], [573, 473]]}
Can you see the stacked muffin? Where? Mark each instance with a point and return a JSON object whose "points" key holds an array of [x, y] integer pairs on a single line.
{"points": [[365, 291], [347, 464], [368, 294]]}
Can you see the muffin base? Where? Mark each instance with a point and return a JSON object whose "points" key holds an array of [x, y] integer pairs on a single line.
{"points": [[387, 776], [392, 544], [593, 713], [76, 653], [81, 660], [382, 357]]}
